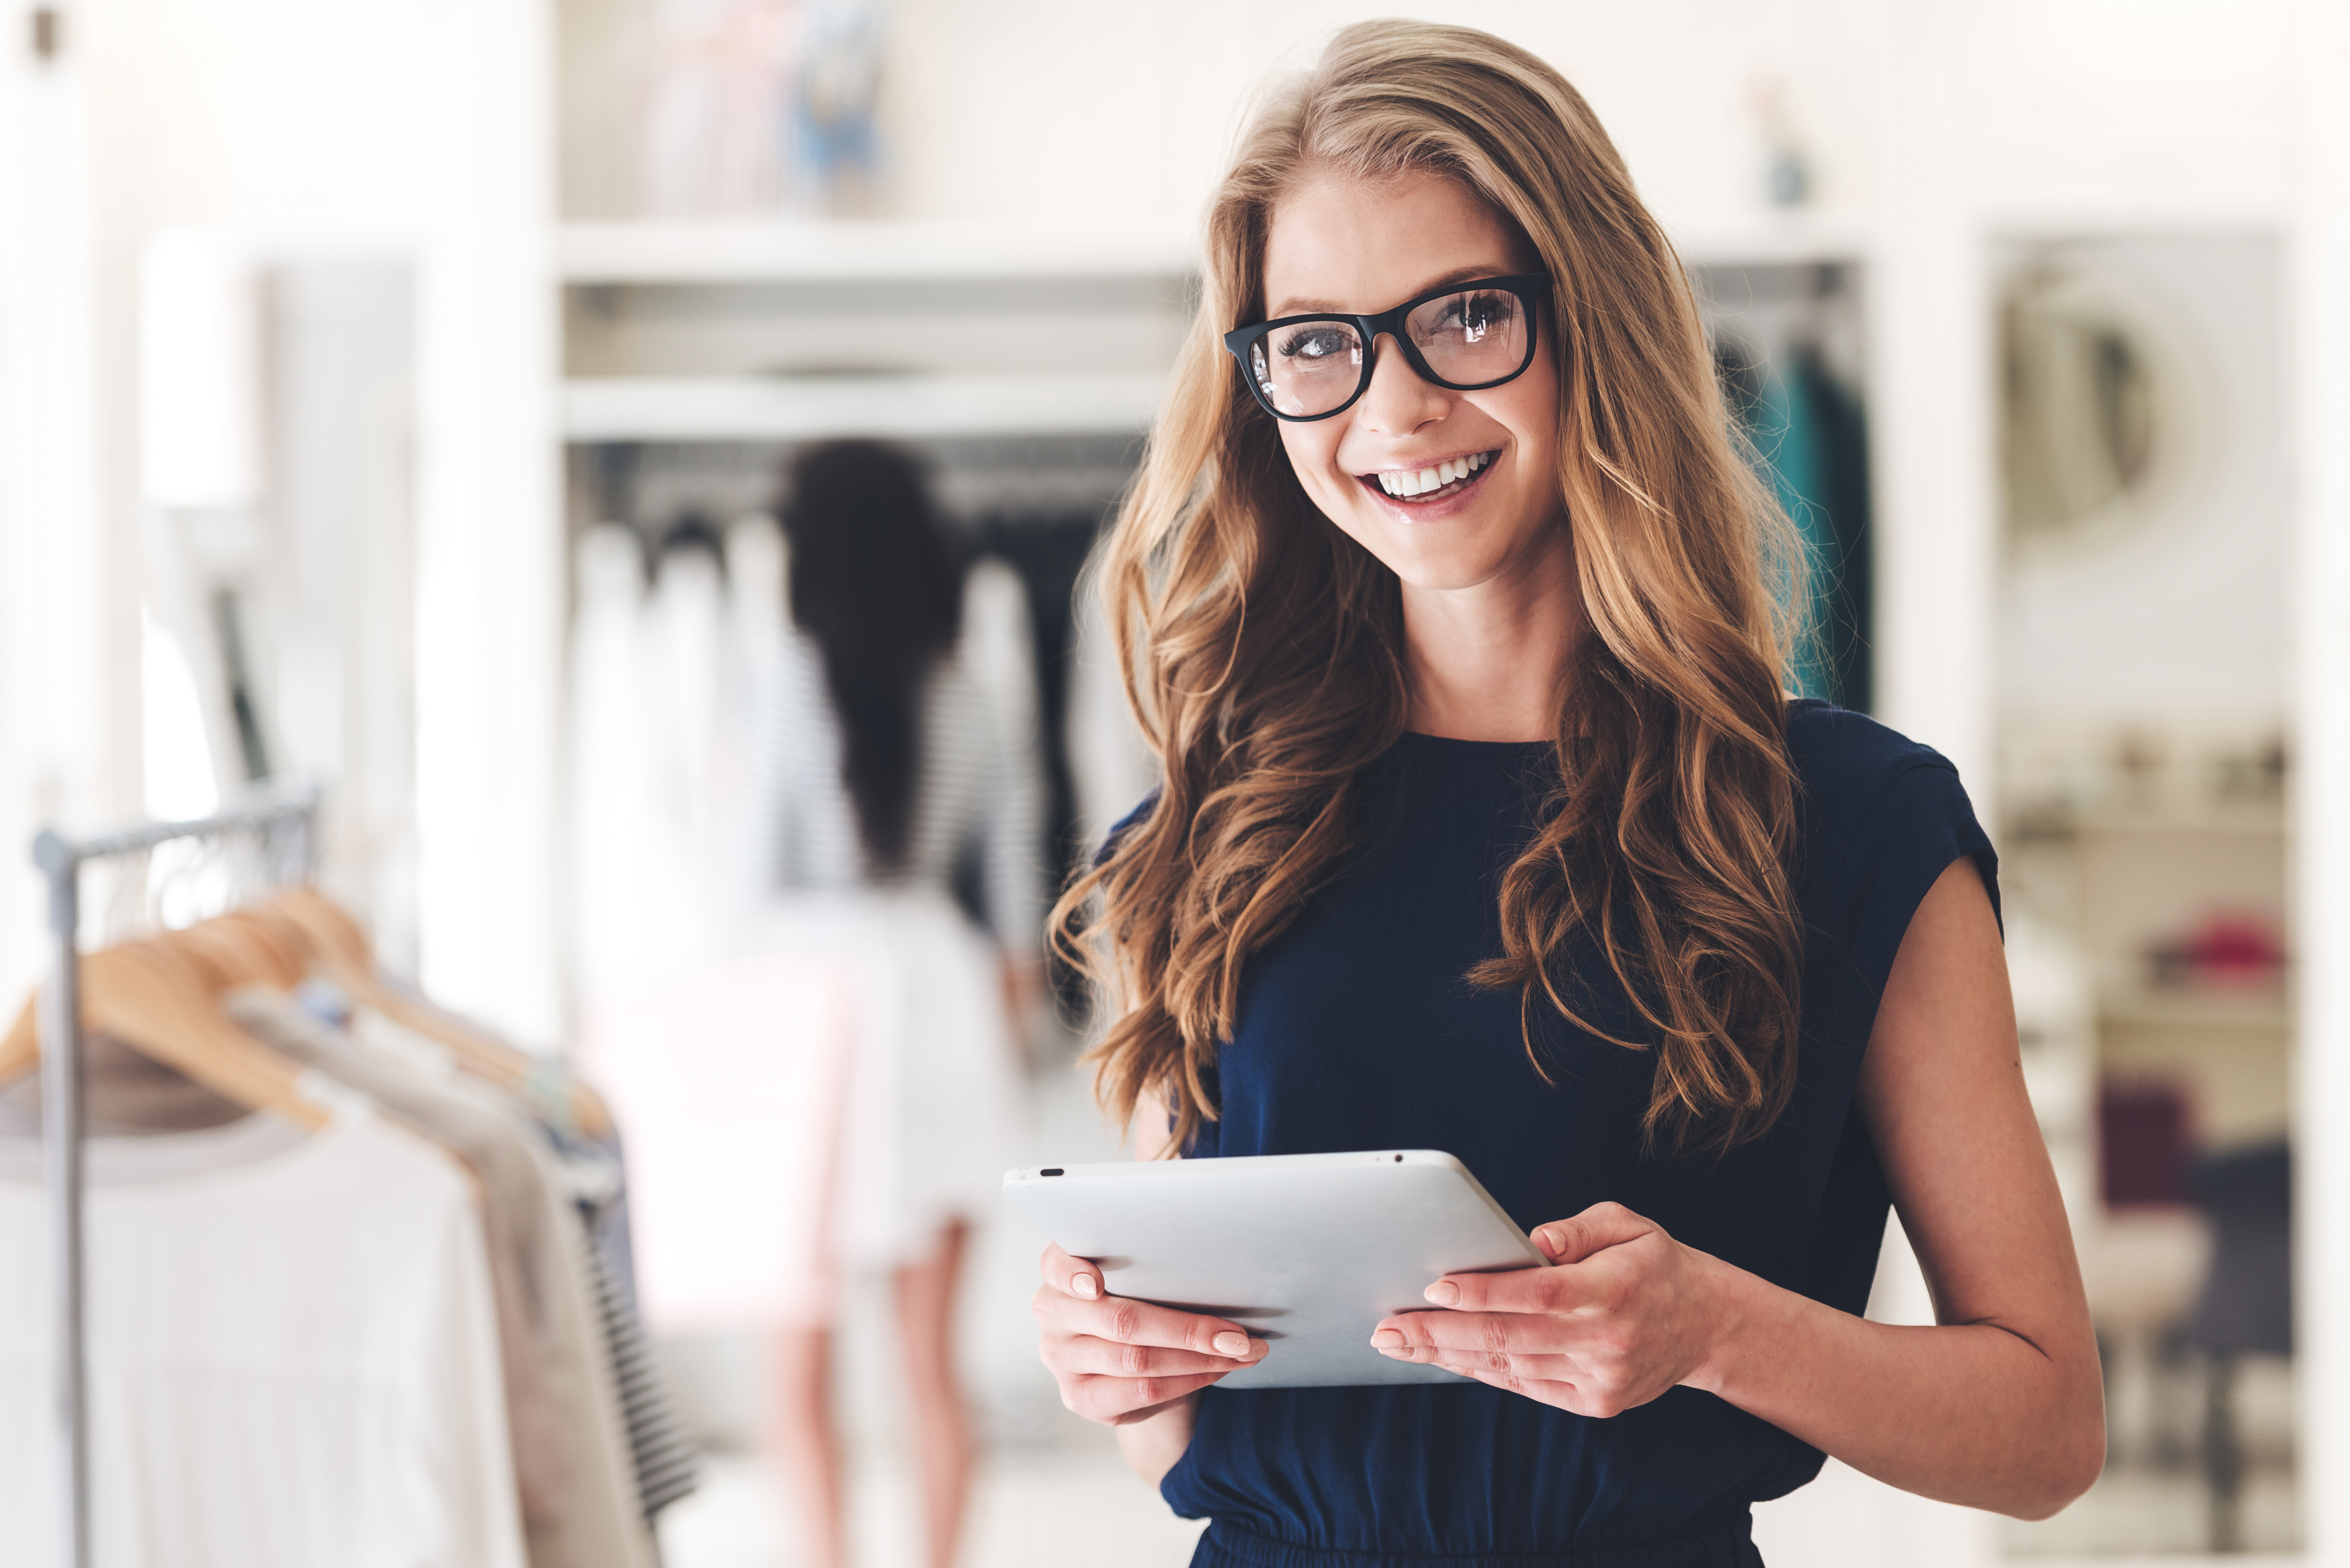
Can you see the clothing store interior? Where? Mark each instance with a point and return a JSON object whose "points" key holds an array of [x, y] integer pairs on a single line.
{"points": [[510, 1125]]}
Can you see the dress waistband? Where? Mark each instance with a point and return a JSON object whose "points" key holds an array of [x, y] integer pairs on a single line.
{"points": [[1227, 1545]]}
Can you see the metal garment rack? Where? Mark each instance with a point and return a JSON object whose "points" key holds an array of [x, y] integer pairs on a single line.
{"points": [[287, 820]]}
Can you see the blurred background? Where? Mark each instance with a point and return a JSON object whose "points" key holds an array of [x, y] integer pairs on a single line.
{"points": [[398, 396]]}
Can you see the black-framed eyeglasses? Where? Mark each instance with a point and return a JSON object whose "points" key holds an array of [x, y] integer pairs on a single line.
{"points": [[1465, 337]]}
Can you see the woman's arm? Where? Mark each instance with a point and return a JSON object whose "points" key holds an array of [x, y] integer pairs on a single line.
{"points": [[2000, 1406]]}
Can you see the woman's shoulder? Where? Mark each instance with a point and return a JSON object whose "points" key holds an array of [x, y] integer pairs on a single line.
{"points": [[1847, 761], [1883, 814]]}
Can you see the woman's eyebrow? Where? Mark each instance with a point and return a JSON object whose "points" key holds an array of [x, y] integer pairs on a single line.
{"points": [[1294, 306]]}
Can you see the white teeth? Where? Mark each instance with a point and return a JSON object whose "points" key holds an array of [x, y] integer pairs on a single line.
{"points": [[1419, 481]]}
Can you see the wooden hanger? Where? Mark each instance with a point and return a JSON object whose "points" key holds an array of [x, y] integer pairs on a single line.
{"points": [[20, 1052], [338, 948], [282, 947], [217, 953], [230, 952], [154, 998]]}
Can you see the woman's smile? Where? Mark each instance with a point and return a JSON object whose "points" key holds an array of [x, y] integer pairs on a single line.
{"points": [[1424, 491]]}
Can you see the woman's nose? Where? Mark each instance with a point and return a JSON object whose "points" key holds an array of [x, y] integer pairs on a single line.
{"points": [[1398, 402]]}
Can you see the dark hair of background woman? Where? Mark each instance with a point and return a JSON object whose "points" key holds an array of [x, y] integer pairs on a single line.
{"points": [[875, 581]]}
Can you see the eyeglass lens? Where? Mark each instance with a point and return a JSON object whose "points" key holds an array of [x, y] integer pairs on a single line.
{"points": [[1467, 340]]}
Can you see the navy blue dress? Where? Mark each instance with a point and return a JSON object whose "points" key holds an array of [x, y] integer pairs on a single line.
{"points": [[1356, 1030]]}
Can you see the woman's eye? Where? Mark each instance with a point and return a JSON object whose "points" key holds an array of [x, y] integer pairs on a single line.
{"points": [[1316, 344], [1472, 316]]}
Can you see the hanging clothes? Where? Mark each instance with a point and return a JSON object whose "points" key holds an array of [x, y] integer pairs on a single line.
{"points": [[292, 1353], [1110, 767], [1047, 552], [591, 1173], [611, 793], [1808, 435], [592, 1520]]}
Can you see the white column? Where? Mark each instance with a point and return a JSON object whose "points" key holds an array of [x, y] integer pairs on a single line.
{"points": [[1930, 399], [2320, 315], [53, 548], [489, 561]]}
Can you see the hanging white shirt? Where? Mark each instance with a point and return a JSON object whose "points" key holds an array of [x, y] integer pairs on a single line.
{"points": [[293, 1359]]}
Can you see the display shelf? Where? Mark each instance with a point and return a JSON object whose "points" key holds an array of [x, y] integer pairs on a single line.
{"points": [[2148, 1008], [2250, 821], [891, 407], [658, 253]]}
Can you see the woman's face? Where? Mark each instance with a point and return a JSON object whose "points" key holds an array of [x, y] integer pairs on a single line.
{"points": [[1343, 245]]}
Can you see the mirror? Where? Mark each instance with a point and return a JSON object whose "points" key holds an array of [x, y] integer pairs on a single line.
{"points": [[2091, 383]]}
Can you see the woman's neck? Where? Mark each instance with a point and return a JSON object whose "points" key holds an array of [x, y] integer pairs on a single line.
{"points": [[1486, 660]]}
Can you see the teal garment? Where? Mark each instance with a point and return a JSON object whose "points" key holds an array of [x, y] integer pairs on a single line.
{"points": [[1808, 437], [1779, 425]]}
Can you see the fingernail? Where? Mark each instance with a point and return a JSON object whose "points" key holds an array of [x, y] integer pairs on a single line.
{"points": [[1549, 1240], [1387, 1339], [1085, 1286], [1229, 1344], [1443, 1292]]}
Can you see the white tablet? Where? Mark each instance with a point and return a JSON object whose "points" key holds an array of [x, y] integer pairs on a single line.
{"points": [[1307, 1252]]}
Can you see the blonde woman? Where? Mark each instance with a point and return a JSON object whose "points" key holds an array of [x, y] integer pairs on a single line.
{"points": [[1487, 826]]}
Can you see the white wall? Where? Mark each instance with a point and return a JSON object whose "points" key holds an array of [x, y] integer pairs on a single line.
{"points": [[1037, 109]]}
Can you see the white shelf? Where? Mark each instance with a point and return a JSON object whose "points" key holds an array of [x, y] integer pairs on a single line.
{"points": [[783, 252], [2252, 822], [2191, 1009], [905, 407], [1773, 238], [747, 252]]}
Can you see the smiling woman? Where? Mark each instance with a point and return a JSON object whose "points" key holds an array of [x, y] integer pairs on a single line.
{"points": [[1487, 826]]}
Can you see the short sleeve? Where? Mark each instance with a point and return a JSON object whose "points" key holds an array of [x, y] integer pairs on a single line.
{"points": [[1883, 819]]}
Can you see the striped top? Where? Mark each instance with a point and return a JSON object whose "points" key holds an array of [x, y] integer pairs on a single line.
{"points": [[978, 798]]}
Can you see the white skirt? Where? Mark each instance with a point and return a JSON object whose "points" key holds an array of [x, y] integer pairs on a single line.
{"points": [[828, 1100]]}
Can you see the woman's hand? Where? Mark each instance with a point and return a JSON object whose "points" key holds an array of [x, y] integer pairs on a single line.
{"points": [[1623, 1313], [1119, 1361]]}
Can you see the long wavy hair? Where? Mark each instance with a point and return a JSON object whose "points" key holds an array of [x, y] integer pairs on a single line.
{"points": [[875, 582], [1264, 655]]}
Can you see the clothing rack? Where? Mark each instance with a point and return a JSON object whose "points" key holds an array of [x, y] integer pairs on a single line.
{"points": [[287, 820]]}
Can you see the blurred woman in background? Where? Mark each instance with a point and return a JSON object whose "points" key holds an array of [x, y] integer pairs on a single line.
{"points": [[899, 775]]}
